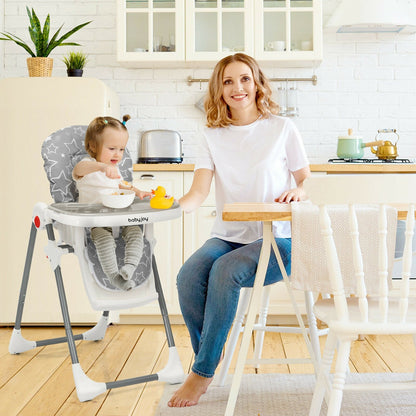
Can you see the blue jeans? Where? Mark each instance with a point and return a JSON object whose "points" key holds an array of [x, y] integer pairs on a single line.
{"points": [[209, 286]]}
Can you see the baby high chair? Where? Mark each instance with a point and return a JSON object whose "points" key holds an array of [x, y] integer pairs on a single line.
{"points": [[60, 152]]}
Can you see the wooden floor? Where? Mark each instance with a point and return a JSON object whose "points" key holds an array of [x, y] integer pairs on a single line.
{"points": [[39, 382]]}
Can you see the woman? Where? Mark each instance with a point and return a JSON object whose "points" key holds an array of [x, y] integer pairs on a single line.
{"points": [[252, 154]]}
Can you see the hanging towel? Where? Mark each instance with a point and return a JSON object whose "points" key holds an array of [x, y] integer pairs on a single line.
{"points": [[309, 267]]}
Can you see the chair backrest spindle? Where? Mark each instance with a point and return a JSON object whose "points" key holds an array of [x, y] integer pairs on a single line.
{"points": [[358, 262], [382, 262], [333, 264], [407, 263]]}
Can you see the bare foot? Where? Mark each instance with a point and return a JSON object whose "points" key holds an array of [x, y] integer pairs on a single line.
{"points": [[190, 391]]}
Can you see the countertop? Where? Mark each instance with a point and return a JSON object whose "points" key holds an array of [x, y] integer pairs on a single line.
{"points": [[324, 167]]}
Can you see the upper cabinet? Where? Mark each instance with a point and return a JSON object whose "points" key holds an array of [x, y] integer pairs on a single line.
{"points": [[286, 31], [150, 30], [216, 28]]}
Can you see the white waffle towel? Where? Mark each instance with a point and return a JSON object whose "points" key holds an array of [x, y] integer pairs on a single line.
{"points": [[309, 268]]}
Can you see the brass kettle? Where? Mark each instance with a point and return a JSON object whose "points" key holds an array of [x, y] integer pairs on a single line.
{"points": [[388, 150]]}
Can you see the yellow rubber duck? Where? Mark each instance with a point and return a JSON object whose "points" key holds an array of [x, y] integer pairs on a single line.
{"points": [[159, 201]]}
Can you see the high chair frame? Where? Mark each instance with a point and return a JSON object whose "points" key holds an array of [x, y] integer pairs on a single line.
{"points": [[86, 388], [71, 219]]}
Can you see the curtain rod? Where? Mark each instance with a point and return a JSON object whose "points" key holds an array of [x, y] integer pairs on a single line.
{"points": [[313, 79]]}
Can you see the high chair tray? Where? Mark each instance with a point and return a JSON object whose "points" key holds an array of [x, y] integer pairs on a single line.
{"points": [[97, 215]]}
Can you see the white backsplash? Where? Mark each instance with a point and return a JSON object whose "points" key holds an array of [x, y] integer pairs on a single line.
{"points": [[365, 81]]}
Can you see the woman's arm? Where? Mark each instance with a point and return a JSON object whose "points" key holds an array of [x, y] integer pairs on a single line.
{"points": [[89, 166], [200, 188], [298, 193]]}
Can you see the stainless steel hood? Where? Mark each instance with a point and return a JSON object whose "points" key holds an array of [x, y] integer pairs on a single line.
{"points": [[365, 16]]}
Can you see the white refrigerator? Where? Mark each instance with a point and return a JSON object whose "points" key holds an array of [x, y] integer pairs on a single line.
{"points": [[30, 110]]}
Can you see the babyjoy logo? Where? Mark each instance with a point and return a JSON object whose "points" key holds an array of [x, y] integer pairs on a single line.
{"points": [[138, 219]]}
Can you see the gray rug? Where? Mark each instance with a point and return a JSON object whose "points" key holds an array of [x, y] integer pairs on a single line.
{"points": [[291, 395]]}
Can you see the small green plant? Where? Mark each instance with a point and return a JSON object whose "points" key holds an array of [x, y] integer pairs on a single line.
{"points": [[40, 38], [75, 60]]}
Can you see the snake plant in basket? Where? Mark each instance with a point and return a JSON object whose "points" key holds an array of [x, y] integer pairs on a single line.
{"points": [[40, 64]]}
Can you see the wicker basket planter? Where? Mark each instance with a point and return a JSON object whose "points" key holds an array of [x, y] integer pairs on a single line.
{"points": [[40, 67]]}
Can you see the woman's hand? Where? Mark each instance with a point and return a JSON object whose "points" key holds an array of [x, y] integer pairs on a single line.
{"points": [[292, 195], [296, 194]]}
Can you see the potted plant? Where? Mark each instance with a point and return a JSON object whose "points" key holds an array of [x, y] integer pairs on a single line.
{"points": [[75, 62], [39, 64]]}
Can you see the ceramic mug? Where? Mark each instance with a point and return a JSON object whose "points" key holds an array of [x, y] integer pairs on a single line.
{"points": [[306, 45], [276, 45]]}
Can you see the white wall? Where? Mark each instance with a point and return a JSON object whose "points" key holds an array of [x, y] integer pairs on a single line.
{"points": [[365, 82]]}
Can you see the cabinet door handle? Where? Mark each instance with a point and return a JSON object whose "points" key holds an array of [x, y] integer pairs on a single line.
{"points": [[213, 213], [147, 176]]}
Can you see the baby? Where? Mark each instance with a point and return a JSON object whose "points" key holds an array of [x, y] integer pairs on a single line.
{"points": [[105, 141]]}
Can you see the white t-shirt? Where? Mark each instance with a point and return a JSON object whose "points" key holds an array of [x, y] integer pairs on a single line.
{"points": [[251, 163], [90, 186]]}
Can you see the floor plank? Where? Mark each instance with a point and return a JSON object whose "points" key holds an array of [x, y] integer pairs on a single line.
{"points": [[49, 398], [399, 357], [142, 361], [39, 382], [365, 359], [106, 368], [24, 385]]}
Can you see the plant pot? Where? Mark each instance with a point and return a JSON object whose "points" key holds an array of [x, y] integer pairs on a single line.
{"points": [[39, 67], [74, 72]]}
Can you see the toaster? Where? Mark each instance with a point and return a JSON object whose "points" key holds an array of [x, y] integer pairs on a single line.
{"points": [[160, 146]]}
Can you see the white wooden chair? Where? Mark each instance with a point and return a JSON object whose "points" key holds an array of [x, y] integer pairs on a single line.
{"points": [[372, 310]]}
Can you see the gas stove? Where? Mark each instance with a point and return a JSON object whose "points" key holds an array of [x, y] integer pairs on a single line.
{"points": [[369, 161]]}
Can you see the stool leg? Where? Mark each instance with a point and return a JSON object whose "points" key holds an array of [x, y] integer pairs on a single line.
{"points": [[232, 341], [258, 346], [251, 316]]}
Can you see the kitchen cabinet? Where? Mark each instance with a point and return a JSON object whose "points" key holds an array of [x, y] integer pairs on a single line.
{"points": [[150, 30], [285, 31], [288, 31]]}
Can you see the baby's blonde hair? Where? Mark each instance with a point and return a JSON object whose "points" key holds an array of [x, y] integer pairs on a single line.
{"points": [[217, 111], [93, 142]]}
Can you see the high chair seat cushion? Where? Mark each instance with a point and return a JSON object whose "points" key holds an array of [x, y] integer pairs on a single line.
{"points": [[61, 151], [141, 274]]}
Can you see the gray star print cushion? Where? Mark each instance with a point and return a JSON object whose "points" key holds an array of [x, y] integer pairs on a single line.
{"points": [[61, 151]]}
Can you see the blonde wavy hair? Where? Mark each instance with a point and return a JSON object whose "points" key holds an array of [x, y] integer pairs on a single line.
{"points": [[93, 142], [217, 111]]}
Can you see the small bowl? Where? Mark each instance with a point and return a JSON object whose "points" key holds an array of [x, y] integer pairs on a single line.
{"points": [[117, 199]]}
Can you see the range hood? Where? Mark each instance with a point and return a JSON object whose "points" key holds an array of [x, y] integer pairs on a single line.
{"points": [[370, 16]]}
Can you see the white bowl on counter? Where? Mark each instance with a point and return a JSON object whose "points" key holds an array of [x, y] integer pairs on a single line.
{"points": [[121, 198]]}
